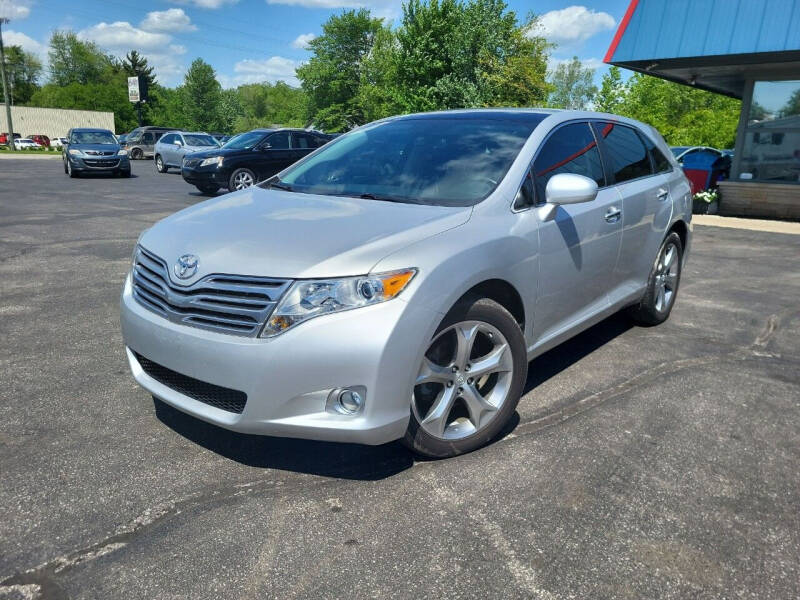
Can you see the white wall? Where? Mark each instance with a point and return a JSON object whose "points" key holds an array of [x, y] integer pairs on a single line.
{"points": [[53, 122]]}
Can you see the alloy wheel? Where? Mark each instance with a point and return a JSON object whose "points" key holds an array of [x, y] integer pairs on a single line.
{"points": [[666, 281], [242, 180], [464, 379]]}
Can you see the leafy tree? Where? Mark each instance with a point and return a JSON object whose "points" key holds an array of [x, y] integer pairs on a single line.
{"points": [[201, 94], [230, 109], [266, 104], [135, 64], [573, 85], [332, 77], [792, 107], [612, 92], [76, 61], [23, 70]]}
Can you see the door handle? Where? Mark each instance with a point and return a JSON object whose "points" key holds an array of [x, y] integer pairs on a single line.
{"points": [[613, 214], [662, 194]]}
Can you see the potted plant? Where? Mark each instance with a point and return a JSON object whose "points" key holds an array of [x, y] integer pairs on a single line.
{"points": [[705, 202]]}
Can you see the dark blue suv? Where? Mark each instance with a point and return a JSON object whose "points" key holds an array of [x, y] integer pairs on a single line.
{"points": [[94, 151]]}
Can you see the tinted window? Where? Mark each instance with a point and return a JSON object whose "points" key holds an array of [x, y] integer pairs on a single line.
{"points": [[245, 141], [570, 149], [279, 141], [168, 139], [660, 162], [92, 137], [626, 152], [440, 161], [306, 140], [199, 140], [148, 138]]}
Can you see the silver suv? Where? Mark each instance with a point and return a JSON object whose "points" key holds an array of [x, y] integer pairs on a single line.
{"points": [[396, 282], [174, 145]]}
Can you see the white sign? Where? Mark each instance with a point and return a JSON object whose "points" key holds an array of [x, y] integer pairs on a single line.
{"points": [[133, 89]]}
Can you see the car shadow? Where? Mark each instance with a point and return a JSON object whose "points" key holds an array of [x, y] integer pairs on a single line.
{"points": [[554, 361], [328, 459]]}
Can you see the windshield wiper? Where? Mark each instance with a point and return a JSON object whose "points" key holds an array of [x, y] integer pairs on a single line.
{"points": [[278, 184], [368, 196]]}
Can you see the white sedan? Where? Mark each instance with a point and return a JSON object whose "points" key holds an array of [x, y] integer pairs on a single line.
{"points": [[58, 142], [25, 144]]}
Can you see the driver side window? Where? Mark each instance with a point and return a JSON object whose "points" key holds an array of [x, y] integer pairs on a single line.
{"points": [[570, 149]]}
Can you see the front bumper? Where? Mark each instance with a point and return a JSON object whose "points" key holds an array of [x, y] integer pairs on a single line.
{"points": [[211, 175], [101, 163], [288, 378]]}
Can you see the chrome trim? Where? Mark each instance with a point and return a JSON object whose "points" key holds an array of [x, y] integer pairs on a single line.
{"points": [[231, 304]]}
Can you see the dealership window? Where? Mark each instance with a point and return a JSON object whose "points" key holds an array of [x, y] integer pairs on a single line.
{"points": [[771, 147]]}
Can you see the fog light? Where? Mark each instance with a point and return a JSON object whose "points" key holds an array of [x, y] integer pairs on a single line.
{"points": [[350, 401]]}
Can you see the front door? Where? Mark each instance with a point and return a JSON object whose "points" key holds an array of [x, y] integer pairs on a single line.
{"points": [[274, 154], [579, 244]]}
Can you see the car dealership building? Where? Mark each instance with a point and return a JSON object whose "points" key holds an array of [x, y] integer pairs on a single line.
{"points": [[746, 49]]}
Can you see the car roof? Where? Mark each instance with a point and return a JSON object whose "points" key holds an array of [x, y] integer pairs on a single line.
{"points": [[524, 115], [90, 130]]}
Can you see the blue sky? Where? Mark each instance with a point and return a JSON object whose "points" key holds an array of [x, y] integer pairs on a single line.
{"points": [[262, 40]]}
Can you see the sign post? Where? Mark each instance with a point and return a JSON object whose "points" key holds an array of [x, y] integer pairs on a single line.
{"points": [[134, 95]]}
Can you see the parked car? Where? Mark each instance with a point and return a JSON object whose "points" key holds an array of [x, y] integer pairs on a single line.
{"points": [[224, 139], [58, 142], [26, 144], [91, 150], [40, 139], [679, 152], [141, 142], [250, 158], [4, 138], [395, 283], [173, 146], [122, 137]]}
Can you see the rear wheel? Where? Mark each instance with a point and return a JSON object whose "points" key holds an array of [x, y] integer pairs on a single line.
{"points": [[160, 166], [136, 154], [469, 382], [662, 286], [241, 179]]}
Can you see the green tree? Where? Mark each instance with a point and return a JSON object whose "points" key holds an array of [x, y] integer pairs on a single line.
{"points": [[201, 94], [573, 85], [792, 106], [683, 115], [23, 70], [611, 93], [76, 61], [332, 77], [135, 64], [266, 104]]}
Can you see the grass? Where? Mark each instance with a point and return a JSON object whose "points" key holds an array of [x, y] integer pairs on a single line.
{"points": [[5, 149]]}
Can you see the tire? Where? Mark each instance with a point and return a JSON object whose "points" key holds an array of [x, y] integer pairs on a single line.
{"points": [[662, 285], [160, 166], [136, 154], [126, 174], [208, 189], [70, 171], [241, 179], [446, 401], [66, 171]]}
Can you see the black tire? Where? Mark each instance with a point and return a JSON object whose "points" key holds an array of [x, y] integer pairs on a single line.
{"points": [[66, 170], [70, 171], [160, 166], [488, 311], [647, 311], [136, 154], [233, 180], [208, 189], [125, 173]]}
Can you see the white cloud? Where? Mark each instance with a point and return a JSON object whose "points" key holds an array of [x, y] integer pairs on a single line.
{"points": [[15, 9], [17, 38], [205, 3], [275, 68], [301, 41], [574, 24], [167, 21], [121, 37]]}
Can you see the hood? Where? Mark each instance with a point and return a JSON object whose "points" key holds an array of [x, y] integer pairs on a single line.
{"points": [[203, 149], [216, 152], [272, 233], [112, 148]]}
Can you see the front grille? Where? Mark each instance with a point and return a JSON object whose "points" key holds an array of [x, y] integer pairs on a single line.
{"points": [[100, 152], [234, 304], [101, 163], [214, 395]]}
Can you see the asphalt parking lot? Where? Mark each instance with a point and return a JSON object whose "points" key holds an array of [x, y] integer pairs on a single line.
{"points": [[645, 463]]}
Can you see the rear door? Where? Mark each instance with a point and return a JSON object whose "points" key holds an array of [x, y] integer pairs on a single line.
{"points": [[303, 143], [646, 206], [580, 243]]}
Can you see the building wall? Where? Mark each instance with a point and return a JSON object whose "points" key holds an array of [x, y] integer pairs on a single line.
{"points": [[756, 199], [53, 122]]}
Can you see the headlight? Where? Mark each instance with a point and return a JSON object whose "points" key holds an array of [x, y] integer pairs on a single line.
{"points": [[313, 298], [122, 153], [75, 152], [214, 160]]}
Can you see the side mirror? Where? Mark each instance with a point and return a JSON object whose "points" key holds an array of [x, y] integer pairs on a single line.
{"points": [[569, 188], [178, 143]]}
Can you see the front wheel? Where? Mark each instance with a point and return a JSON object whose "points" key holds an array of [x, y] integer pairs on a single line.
{"points": [[208, 189], [160, 166], [241, 179], [70, 171], [662, 286], [470, 380]]}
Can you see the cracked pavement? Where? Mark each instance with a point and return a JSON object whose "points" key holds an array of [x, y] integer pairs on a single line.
{"points": [[644, 463]]}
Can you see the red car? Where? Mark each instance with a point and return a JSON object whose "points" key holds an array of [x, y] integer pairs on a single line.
{"points": [[4, 138], [42, 140]]}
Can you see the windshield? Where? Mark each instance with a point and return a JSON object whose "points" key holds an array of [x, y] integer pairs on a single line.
{"points": [[444, 162], [245, 141], [92, 137], [676, 150], [199, 140]]}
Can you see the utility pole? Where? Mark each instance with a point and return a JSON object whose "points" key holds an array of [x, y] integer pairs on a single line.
{"points": [[10, 138]]}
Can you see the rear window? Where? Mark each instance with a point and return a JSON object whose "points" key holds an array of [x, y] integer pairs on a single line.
{"points": [[660, 162], [626, 154]]}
